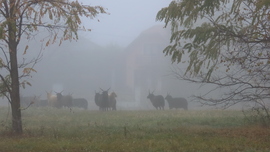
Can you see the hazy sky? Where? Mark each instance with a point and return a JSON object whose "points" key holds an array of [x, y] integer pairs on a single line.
{"points": [[127, 19]]}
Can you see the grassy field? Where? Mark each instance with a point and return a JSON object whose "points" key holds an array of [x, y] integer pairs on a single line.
{"points": [[53, 130]]}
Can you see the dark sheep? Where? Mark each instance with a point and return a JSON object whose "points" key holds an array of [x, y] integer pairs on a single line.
{"points": [[104, 100], [64, 101], [98, 99], [157, 101], [176, 102], [112, 101]]}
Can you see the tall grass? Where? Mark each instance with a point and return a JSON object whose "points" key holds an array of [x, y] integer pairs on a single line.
{"points": [[48, 129]]}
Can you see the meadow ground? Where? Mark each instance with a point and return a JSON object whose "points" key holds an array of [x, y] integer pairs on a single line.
{"points": [[52, 130]]}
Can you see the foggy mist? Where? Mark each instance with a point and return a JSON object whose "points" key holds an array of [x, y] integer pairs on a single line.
{"points": [[127, 19], [123, 53]]}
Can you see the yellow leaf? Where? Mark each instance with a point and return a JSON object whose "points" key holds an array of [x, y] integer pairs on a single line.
{"points": [[28, 70], [48, 42], [23, 85], [54, 39], [26, 48], [28, 83]]}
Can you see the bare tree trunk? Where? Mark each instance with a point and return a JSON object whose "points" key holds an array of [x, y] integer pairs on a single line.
{"points": [[15, 85], [15, 90]]}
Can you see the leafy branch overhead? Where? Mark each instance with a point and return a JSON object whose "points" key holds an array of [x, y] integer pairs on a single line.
{"points": [[60, 18], [225, 46], [50, 14], [217, 31]]}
